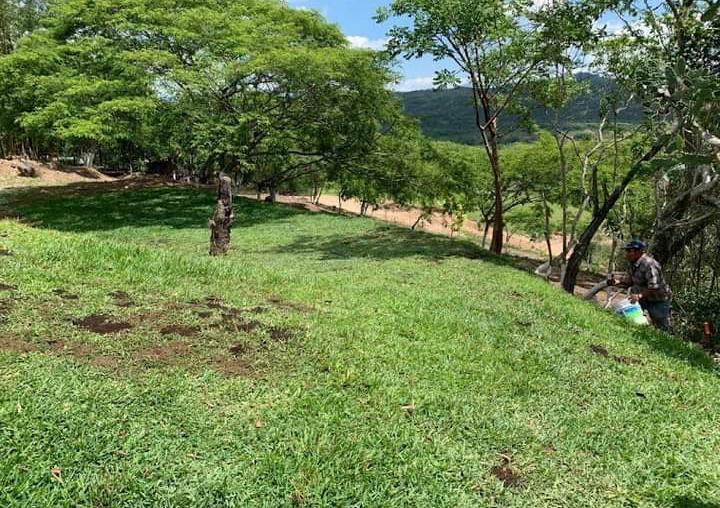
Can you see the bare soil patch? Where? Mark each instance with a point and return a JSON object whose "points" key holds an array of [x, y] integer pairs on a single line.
{"points": [[171, 353], [5, 308], [241, 349], [603, 351], [16, 173], [279, 334], [180, 330], [104, 362], [257, 310], [236, 324], [6, 253], [64, 295], [102, 324], [79, 350], [507, 474], [212, 302], [7, 287], [234, 367], [17, 345], [600, 350]]}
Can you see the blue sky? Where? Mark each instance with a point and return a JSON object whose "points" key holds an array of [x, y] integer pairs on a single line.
{"points": [[355, 18]]}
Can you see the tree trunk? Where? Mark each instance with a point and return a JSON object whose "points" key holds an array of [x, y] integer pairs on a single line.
{"points": [[88, 158], [221, 222], [560, 140], [485, 232], [497, 243], [272, 196], [583, 246], [548, 233]]}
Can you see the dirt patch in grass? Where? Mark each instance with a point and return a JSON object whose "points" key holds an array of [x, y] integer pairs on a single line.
{"points": [[603, 351], [83, 352], [600, 350], [241, 349], [212, 302], [76, 349], [122, 299], [233, 322], [180, 330], [7, 287], [234, 367], [104, 362], [5, 308], [17, 345], [279, 334], [64, 295], [506, 473], [101, 324], [245, 356], [283, 304], [6, 253], [171, 353]]}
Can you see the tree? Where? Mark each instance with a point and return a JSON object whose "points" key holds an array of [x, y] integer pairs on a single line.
{"points": [[679, 104], [255, 88], [497, 46]]}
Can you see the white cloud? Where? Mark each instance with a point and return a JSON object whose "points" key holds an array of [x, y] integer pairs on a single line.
{"points": [[358, 41], [411, 85]]}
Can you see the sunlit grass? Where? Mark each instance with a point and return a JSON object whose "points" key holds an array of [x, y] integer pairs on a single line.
{"points": [[412, 366]]}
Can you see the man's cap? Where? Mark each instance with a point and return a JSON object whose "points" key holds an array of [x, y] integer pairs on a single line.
{"points": [[636, 245]]}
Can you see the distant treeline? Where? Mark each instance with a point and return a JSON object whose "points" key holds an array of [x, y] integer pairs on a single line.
{"points": [[447, 115]]}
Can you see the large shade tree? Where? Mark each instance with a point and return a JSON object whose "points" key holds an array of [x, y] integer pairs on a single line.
{"points": [[251, 87]]}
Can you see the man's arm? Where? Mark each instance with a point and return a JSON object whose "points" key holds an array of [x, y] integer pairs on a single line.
{"points": [[623, 281]]}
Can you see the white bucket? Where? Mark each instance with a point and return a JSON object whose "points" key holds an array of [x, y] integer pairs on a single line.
{"points": [[631, 311]]}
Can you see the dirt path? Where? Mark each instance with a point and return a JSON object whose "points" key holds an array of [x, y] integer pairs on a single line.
{"points": [[438, 224], [46, 176]]}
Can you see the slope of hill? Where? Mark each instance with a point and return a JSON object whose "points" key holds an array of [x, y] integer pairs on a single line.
{"points": [[44, 175], [448, 115], [326, 361]]}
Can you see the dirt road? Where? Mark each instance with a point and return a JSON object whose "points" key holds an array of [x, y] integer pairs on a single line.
{"points": [[438, 224]]}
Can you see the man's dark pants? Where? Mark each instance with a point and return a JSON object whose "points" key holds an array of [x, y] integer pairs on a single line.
{"points": [[659, 313]]}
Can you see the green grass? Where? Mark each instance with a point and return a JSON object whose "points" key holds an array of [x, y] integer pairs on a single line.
{"points": [[379, 321]]}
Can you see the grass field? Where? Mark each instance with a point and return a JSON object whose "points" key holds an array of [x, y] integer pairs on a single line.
{"points": [[327, 361]]}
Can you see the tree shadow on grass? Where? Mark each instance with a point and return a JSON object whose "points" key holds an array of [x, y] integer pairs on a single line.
{"points": [[687, 502], [101, 207], [676, 348], [385, 243]]}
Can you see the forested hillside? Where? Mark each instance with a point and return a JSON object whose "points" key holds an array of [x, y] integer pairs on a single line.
{"points": [[448, 115]]}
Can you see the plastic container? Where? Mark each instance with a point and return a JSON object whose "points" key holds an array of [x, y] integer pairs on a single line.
{"points": [[631, 311]]}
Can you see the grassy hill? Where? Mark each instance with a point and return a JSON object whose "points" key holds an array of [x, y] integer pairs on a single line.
{"points": [[327, 361], [448, 114]]}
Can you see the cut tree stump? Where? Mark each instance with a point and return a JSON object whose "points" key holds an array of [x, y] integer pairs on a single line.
{"points": [[222, 219], [25, 169]]}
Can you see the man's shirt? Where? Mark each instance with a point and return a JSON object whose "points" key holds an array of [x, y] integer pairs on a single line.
{"points": [[646, 273]]}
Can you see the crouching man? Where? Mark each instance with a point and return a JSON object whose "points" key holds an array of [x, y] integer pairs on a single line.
{"points": [[647, 285]]}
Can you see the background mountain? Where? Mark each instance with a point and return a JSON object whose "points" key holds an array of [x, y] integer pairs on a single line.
{"points": [[448, 114]]}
